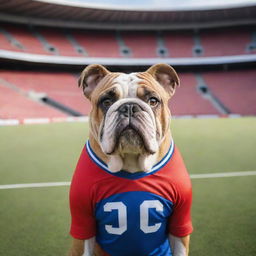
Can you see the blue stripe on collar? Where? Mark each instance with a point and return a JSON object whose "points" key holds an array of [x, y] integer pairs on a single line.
{"points": [[125, 174]]}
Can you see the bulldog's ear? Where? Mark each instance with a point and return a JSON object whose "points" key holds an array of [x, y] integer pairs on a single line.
{"points": [[90, 78], [166, 76]]}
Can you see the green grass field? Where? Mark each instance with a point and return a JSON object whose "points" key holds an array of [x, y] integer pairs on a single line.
{"points": [[35, 221]]}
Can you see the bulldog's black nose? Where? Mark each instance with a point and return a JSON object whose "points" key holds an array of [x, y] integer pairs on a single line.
{"points": [[129, 109]]}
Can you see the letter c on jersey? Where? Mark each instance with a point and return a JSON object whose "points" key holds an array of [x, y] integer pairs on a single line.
{"points": [[144, 215], [122, 217]]}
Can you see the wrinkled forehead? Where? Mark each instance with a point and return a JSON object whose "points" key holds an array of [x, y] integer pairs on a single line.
{"points": [[138, 84], [131, 85], [127, 85]]}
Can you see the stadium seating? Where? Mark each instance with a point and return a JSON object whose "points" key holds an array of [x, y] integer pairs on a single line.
{"points": [[5, 44], [229, 88], [54, 41], [222, 42], [16, 106], [142, 45], [61, 87], [28, 42], [179, 44], [235, 89], [188, 101], [92, 43], [57, 39]]}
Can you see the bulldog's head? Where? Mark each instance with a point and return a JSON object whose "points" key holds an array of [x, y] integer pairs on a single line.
{"points": [[130, 115]]}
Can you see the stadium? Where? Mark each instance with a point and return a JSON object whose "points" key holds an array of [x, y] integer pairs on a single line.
{"points": [[44, 46]]}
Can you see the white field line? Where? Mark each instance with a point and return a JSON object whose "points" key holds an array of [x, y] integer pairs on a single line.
{"points": [[222, 175], [35, 185], [193, 176]]}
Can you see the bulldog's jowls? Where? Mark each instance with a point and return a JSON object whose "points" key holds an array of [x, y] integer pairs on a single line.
{"points": [[130, 117]]}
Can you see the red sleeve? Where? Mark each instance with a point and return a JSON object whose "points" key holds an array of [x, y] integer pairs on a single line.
{"points": [[82, 218], [180, 222]]}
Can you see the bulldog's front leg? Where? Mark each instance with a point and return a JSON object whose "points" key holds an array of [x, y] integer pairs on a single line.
{"points": [[85, 248], [179, 245]]}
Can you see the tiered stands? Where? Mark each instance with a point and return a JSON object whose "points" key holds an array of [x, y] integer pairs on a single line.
{"points": [[98, 44], [188, 101], [142, 44], [25, 37], [179, 44], [236, 90], [61, 87], [57, 39], [5, 44], [15, 105], [225, 42], [106, 44]]}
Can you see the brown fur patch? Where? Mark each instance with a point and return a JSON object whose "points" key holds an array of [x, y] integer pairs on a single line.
{"points": [[163, 112]]}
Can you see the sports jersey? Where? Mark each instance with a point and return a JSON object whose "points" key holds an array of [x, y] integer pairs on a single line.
{"points": [[131, 213]]}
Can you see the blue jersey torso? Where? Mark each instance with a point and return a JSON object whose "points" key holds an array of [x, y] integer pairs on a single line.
{"points": [[134, 224]]}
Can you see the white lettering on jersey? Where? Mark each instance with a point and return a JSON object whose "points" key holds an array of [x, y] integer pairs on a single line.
{"points": [[122, 217], [144, 215]]}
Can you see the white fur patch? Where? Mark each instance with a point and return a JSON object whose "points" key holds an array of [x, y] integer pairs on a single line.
{"points": [[146, 162], [127, 85], [178, 248], [89, 247]]}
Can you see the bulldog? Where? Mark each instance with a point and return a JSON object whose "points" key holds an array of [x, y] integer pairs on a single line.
{"points": [[130, 194]]}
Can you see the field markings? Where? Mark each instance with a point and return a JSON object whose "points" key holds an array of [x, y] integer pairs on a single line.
{"points": [[222, 175], [193, 176], [35, 185]]}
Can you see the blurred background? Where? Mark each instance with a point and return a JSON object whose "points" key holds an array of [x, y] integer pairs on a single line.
{"points": [[44, 46]]}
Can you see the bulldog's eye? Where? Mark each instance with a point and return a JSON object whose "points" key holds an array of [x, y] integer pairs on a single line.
{"points": [[153, 101], [106, 103]]}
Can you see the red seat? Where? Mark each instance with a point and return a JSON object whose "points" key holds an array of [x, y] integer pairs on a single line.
{"points": [[179, 44], [235, 89], [61, 87], [17, 106], [228, 41], [57, 39], [142, 44], [98, 43], [30, 43], [187, 101]]}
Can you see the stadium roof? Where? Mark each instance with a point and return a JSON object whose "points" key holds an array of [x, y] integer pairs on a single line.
{"points": [[131, 14], [153, 5]]}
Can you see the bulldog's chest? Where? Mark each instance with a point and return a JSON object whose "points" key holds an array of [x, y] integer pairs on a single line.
{"points": [[134, 212]]}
